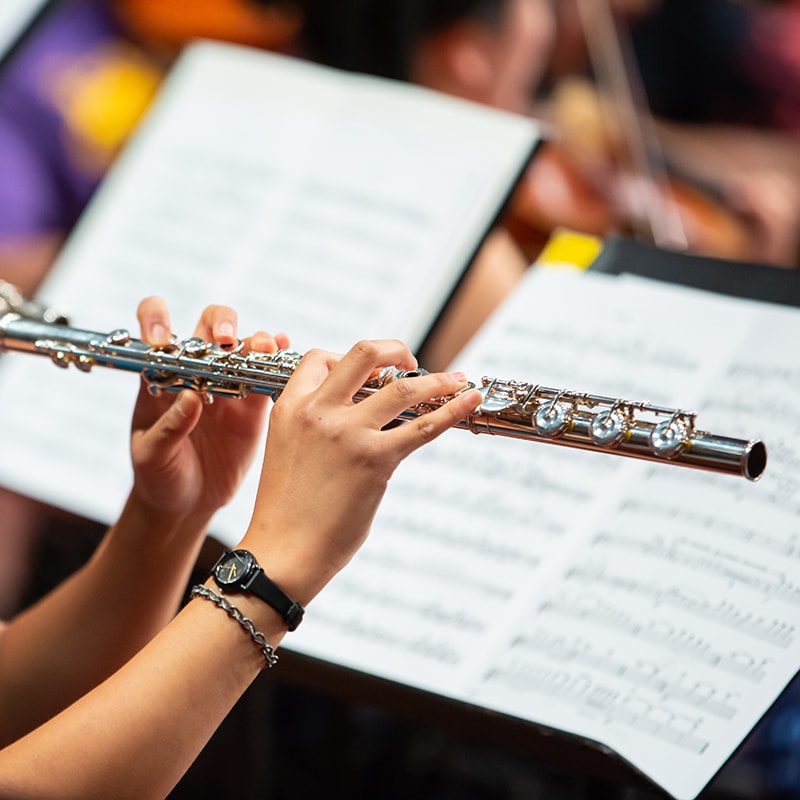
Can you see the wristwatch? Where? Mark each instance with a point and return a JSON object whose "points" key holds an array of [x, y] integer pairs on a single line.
{"points": [[238, 571]]}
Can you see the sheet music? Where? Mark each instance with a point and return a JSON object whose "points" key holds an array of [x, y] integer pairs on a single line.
{"points": [[315, 202], [647, 607], [650, 608]]}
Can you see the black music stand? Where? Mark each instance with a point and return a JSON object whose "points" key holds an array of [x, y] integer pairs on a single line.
{"points": [[746, 279]]}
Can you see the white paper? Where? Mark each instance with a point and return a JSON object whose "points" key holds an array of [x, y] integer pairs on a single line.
{"points": [[647, 607]]}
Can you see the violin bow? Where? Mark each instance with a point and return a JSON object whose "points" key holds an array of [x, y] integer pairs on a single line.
{"points": [[614, 64]]}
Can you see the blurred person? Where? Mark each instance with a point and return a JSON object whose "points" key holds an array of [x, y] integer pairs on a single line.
{"points": [[490, 51]]}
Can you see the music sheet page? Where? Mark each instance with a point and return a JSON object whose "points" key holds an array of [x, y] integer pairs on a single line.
{"points": [[647, 607], [322, 204]]}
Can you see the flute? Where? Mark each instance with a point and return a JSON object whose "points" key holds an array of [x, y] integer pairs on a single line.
{"points": [[509, 408]]}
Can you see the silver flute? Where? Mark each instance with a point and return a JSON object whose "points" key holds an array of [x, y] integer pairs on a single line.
{"points": [[509, 408]]}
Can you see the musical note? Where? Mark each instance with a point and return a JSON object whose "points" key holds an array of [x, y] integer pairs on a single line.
{"points": [[777, 632], [603, 704]]}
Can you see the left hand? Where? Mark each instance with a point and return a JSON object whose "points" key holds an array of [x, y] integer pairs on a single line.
{"points": [[190, 457]]}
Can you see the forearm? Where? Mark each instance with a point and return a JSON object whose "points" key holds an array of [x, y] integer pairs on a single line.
{"points": [[135, 735], [94, 622]]}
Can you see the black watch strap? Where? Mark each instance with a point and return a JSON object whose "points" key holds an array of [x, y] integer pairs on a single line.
{"points": [[272, 594], [254, 581]]}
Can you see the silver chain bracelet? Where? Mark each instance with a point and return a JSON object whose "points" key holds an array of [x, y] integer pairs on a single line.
{"points": [[261, 641]]}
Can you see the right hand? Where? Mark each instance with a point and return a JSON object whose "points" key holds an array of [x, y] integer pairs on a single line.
{"points": [[328, 458]]}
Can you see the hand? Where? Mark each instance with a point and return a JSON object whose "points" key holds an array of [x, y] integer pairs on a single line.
{"points": [[328, 459], [189, 457]]}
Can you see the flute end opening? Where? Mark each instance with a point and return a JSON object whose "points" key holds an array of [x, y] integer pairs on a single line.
{"points": [[755, 460]]}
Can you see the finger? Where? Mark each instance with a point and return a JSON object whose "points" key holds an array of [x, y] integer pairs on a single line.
{"points": [[360, 362], [217, 324], [312, 371], [154, 320], [262, 342], [163, 439], [411, 435], [403, 393]]}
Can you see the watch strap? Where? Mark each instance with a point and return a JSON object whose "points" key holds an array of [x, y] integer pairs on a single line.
{"points": [[272, 594]]}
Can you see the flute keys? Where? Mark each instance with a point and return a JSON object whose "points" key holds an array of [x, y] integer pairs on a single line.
{"points": [[608, 428], [552, 418], [496, 398], [118, 337], [61, 359], [669, 438], [195, 347], [84, 363], [390, 374], [217, 350]]}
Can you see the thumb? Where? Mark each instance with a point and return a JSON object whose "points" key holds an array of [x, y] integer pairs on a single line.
{"points": [[159, 444]]}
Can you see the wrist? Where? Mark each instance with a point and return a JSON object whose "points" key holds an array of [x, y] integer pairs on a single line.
{"points": [[147, 532], [154, 512], [238, 573], [168, 504], [300, 571]]}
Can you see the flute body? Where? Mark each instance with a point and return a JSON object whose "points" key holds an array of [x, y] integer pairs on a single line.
{"points": [[509, 408]]}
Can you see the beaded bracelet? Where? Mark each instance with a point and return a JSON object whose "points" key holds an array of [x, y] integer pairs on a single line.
{"points": [[261, 641]]}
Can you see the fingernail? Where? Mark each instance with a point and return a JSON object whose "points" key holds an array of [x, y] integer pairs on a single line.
{"points": [[225, 329], [266, 342], [461, 377], [158, 333], [181, 401]]}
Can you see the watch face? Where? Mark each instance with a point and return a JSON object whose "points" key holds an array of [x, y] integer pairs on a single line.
{"points": [[233, 567]]}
